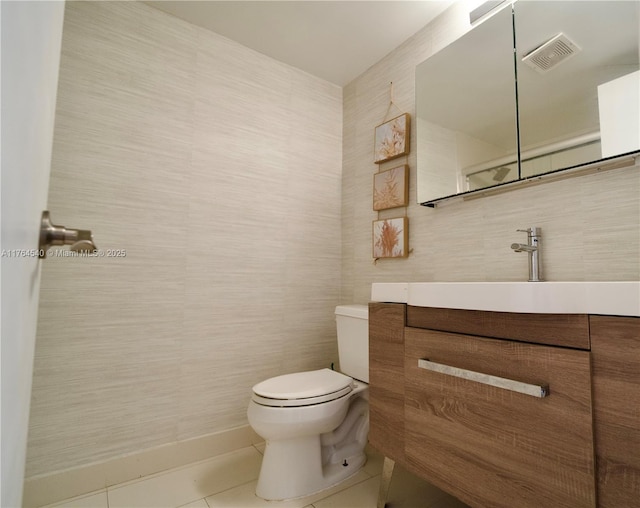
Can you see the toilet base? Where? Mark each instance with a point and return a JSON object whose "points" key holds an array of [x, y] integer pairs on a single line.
{"points": [[293, 468]]}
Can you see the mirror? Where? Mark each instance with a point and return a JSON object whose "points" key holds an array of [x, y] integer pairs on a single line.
{"points": [[466, 111], [559, 99], [583, 109]]}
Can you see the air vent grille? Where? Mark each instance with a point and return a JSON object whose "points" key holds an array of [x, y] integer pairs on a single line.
{"points": [[551, 53]]}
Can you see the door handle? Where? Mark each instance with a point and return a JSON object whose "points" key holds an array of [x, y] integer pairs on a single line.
{"points": [[81, 240]]}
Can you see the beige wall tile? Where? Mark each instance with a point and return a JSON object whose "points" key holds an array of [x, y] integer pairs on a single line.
{"points": [[218, 170]]}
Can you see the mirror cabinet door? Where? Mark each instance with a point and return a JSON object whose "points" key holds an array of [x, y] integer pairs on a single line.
{"points": [[466, 112], [577, 85], [568, 55]]}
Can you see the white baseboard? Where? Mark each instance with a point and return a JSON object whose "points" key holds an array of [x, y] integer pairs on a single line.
{"points": [[50, 488]]}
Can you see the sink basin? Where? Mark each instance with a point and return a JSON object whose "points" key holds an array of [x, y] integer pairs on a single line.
{"points": [[609, 298]]}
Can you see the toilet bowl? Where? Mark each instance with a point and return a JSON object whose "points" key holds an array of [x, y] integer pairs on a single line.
{"points": [[315, 423]]}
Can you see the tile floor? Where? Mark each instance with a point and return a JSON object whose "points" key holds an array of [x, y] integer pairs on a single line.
{"points": [[229, 481]]}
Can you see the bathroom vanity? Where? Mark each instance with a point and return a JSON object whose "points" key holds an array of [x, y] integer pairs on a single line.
{"points": [[508, 408]]}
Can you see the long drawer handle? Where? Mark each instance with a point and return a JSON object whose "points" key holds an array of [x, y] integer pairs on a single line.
{"points": [[539, 391]]}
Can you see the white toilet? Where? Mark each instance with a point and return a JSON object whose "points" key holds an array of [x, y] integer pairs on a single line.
{"points": [[315, 423]]}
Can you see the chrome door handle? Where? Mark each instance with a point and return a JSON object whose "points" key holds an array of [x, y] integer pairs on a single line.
{"points": [[539, 391], [81, 240]]}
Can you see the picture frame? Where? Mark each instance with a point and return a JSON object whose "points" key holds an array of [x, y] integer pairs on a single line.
{"points": [[391, 238], [391, 188], [391, 139]]}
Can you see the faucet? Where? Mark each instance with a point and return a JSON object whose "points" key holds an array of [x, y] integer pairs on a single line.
{"points": [[532, 247]]}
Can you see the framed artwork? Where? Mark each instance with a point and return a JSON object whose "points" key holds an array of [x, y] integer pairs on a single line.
{"points": [[391, 188], [391, 238], [392, 139]]}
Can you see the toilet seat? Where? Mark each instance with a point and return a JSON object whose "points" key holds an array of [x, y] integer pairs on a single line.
{"points": [[302, 388]]}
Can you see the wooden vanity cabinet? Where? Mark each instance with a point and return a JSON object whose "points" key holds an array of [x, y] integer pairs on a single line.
{"points": [[386, 378], [615, 364], [491, 447]]}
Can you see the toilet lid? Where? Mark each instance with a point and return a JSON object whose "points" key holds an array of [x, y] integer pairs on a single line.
{"points": [[303, 388]]}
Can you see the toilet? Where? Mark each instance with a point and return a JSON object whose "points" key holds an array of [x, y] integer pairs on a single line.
{"points": [[315, 423]]}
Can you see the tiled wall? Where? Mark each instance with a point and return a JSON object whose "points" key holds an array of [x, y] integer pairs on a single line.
{"points": [[590, 224], [218, 171]]}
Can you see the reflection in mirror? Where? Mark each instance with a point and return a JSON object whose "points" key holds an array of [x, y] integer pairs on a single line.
{"points": [[582, 110], [465, 112], [568, 88]]}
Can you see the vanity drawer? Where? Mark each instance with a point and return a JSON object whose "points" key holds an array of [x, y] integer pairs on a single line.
{"points": [[568, 330], [490, 446]]}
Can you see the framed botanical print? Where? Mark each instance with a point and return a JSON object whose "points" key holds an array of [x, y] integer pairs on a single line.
{"points": [[391, 238], [392, 139], [391, 188]]}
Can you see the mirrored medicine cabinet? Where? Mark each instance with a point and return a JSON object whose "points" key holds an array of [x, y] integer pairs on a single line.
{"points": [[536, 89]]}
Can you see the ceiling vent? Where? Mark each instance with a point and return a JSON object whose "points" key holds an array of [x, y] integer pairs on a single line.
{"points": [[556, 50]]}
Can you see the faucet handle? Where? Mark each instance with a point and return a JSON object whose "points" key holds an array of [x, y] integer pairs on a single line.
{"points": [[532, 231]]}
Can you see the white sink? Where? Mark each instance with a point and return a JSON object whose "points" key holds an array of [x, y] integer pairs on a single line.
{"points": [[610, 298], [395, 292]]}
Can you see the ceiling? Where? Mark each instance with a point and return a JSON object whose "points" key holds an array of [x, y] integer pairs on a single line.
{"points": [[333, 40]]}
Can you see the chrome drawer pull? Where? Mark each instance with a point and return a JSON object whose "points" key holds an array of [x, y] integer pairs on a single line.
{"points": [[479, 377]]}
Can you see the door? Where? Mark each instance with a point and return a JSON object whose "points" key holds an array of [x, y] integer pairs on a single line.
{"points": [[31, 38]]}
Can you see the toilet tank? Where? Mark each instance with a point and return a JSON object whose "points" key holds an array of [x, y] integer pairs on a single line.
{"points": [[352, 323]]}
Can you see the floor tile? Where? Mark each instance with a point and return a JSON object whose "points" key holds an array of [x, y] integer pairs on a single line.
{"points": [[362, 495], [190, 483], [373, 466], [244, 496], [96, 500], [229, 481], [406, 491], [409, 491], [448, 501], [200, 503]]}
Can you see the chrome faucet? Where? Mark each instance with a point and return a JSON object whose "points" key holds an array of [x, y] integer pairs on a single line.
{"points": [[532, 248]]}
